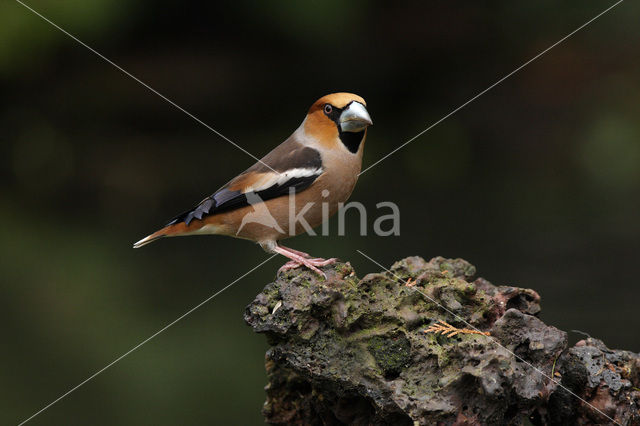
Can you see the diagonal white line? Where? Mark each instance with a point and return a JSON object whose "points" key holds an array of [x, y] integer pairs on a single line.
{"points": [[144, 341], [493, 85], [459, 318], [146, 85]]}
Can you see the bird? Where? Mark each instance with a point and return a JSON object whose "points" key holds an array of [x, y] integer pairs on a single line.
{"points": [[293, 188]]}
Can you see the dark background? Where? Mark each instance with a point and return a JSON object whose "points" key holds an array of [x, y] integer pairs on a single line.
{"points": [[537, 182]]}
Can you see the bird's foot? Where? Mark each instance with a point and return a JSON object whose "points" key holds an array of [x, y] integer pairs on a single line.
{"points": [[299, 258], [311, 263], [292, 264]]}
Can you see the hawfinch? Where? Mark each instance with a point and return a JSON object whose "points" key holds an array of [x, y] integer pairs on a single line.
{"points": [[304, 178]]}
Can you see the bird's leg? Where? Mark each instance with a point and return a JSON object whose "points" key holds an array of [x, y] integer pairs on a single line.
{"points": [[298, 252], [297, 260]]}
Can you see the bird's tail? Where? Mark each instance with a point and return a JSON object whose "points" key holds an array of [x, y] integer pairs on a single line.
{"points": [[150, 238], [167, 231]]}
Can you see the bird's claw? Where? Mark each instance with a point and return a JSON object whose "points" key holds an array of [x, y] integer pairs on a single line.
{"points": [[311, 263]]}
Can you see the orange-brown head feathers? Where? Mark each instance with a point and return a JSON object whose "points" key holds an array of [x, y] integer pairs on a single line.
{"points": [[338, 117], [339, 100]]}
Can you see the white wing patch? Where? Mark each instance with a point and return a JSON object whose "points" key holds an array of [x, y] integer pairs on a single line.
{"points": [[267, 180]]}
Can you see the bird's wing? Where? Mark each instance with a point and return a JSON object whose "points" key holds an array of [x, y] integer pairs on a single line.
{"points": [[296, 168]]}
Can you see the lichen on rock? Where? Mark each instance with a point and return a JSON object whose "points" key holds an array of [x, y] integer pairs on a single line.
{"points": [[354, 351]]}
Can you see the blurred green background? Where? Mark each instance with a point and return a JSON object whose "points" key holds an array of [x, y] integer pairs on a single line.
{"points": [[537, 183]]}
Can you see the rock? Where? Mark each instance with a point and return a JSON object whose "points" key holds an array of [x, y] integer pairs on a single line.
{"points": [[354, 351]]}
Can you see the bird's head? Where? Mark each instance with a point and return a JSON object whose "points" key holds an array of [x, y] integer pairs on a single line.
{"points": [[338, 117]]}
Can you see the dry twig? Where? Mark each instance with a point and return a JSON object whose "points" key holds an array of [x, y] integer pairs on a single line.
{"points": [[448, 330]]}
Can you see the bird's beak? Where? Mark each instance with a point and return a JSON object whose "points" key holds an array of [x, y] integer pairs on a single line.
{"points": [[354, 118]]}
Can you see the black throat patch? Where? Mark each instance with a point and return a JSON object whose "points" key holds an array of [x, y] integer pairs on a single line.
{"points": [[351, 140]]}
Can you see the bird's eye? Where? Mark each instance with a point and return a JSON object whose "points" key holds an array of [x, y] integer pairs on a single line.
{"points": [[327, 109]]}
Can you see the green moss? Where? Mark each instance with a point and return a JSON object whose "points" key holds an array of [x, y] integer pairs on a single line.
{"points": [[446, 266], [470, 289], [392, 354], [352, 281], [343, 268], [457, 267], [305, 283]]}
